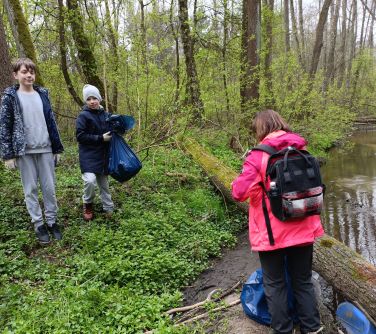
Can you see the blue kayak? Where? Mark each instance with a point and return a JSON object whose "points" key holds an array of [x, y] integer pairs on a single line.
{"points": [[354, 320]]}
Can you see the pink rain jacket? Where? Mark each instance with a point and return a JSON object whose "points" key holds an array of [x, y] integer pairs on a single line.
{"points": [[247, 185]]}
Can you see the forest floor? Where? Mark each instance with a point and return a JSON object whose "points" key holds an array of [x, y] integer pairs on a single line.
{"points": [[225, 272]]}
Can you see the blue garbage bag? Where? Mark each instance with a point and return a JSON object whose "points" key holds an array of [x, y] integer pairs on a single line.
{"points": [[254, 303], [123, 163], [253, 299], [121, 123]]}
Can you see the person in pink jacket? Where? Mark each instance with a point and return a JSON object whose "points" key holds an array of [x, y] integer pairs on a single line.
{"points": [[293, 240]]}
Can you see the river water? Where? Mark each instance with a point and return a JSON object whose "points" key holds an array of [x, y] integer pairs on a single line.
{"points": [[350, 200]]}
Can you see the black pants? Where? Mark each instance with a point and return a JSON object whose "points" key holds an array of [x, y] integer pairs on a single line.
{"points": [[299, 266]]}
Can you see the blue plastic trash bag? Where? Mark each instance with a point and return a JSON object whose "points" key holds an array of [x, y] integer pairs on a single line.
{"points": [[253, 299], [354, 320], [254, 303], [121, 123], [123, 163]]}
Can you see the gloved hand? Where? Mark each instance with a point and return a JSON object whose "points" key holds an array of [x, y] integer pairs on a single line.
{"points": [[10, 164], [107, 136], [56, 159]]}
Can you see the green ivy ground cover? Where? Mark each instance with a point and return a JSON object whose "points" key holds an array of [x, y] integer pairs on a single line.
{"points": [[114, 275]]}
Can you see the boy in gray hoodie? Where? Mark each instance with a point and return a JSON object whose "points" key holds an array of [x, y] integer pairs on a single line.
{"points": [[30, 141]]}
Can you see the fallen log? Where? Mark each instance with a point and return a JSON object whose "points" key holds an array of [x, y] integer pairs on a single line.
{"points": [[345, 270]]}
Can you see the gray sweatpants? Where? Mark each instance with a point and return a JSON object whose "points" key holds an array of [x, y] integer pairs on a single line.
{"points": [[39, 168], [90, 181]]}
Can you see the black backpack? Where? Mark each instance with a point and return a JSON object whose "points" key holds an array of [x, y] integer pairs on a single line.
{"points": [[296, 189]]}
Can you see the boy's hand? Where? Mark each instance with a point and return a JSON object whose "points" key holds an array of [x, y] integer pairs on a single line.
{"points": [[10, 164], [107, 136], [56, 159]]}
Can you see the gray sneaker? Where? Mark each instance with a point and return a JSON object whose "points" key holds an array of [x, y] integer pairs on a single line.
{"points": [[42, 235]]}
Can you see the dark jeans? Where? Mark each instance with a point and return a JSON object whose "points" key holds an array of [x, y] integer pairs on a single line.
{"points": [[299, 266]]}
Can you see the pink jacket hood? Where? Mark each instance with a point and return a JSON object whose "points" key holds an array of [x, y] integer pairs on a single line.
{"points": [[247, 186]]}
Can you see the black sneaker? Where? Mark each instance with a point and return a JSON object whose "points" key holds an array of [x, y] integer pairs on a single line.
{"points": [[42, 235], [55, 231]]}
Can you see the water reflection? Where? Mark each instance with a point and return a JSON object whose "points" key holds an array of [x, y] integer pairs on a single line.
{"points": [[350, 202]]}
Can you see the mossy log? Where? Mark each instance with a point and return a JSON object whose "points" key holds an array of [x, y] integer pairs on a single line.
{"points": [[345, 270]]}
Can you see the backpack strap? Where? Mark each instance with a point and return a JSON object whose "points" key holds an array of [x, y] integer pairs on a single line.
{"points": [[266, 216], [265, 148], [270, 150]]}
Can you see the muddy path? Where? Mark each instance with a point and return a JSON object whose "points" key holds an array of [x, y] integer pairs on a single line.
{"points": [[233, 266]]}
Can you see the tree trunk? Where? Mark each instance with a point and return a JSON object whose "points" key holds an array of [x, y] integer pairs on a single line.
{"points": [[295, 32], [268, 15], [332, 44], [369, 21], [370, 38], [249, 85], [352, 39], [287, 24], [319, 38], [63, 55], [21, 33], [301, 31], [345, 270], [85, 54], [342, 49], [175, 34], [363, 30], [224, 55], [114, 58], [144, 60], [192, 86], [6, 78]]}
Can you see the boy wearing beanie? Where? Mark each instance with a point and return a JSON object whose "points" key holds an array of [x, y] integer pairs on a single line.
{"points": [[93, 136], [30, 141]]}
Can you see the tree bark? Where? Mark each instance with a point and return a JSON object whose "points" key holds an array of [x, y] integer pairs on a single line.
{"points": [[85, 54], [352, 39], [332, 44], [295, 32], [6, 78], [192, 86], [345, 270], [249, 85], [144, 61], [370, 38], [286, 21], [268, 15], [21, 33], [63, 55], [301, 31], [363, 30], [115, 56], [175, 35], [342, 49], [319, 38], [224, 54]]}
